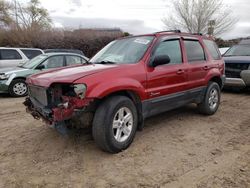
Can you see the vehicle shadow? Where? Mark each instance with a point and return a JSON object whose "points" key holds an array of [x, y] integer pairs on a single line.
{"points": [[236, 91], [4, 95]]}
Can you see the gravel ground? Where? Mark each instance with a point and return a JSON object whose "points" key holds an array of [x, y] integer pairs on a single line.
{"points": [[180, 148]]}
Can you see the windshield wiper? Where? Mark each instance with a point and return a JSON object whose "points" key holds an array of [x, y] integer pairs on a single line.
{"points": [[105, 62]]}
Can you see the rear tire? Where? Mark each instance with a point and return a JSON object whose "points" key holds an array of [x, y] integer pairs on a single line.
{"points": [[115, 124], [211, 101], [18, 88]]}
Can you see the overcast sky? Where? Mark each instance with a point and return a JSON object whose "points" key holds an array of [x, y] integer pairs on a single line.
{"points": [[134, 16]]}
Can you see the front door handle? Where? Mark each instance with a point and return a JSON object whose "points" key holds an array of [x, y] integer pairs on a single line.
{"points": [[180, 71]]}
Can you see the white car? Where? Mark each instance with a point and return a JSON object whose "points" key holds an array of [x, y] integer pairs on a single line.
{"points": [[223, 50], [12, 57]]}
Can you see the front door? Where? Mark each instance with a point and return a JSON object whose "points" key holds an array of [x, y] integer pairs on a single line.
{"points": [[166, 83]]}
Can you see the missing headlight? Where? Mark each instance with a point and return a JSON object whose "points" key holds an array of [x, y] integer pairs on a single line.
{"points": [[80, 90]]}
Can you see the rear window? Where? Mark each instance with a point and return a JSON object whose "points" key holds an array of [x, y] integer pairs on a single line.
{"points": [[194, 50], [31, 53], [9, 54], [212, 48]]}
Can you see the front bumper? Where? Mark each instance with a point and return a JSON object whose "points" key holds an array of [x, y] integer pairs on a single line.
{"points": [[235, 82], [242, 82], [3, 86], [76, 111]]}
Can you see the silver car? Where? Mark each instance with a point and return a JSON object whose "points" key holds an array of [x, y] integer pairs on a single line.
{"points": [[12, 57]]}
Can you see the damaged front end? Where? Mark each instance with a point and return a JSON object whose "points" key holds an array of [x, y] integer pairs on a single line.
{"points": [[61, 106]]}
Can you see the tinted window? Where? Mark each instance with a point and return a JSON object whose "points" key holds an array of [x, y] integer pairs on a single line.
{"points": [[9, 54], [31, 53], [172, 49], [194, 50], [73, 60], [212, 47], [54, 62]]}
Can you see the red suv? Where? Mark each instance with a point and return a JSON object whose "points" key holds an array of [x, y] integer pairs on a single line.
{"points": [[128, 81]]}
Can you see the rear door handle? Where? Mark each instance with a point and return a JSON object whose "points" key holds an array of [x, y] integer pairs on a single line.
{"points": [[206, 68], [180, 71]]}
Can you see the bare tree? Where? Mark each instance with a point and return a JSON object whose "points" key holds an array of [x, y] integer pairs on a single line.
{"points": [[5, 18], [31, 16], [194, 16]]}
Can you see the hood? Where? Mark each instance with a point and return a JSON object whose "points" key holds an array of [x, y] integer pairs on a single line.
{"points": [[237, 59], [66, 75], [11, 70]]}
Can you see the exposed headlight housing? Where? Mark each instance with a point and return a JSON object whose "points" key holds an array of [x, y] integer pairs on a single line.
{"points": [[4, 76], [80, 90]]}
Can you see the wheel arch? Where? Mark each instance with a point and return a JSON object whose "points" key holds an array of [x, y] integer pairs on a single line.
{"points": [[218, 80], [132, 95], [19, 77]]}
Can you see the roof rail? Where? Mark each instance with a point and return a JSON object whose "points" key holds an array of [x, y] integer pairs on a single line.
{"points": [[197, 34], [172, 31]]}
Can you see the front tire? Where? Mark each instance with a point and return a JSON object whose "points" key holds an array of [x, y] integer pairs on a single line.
{"points": [[211, 101], [18, 88], [115, 124]]}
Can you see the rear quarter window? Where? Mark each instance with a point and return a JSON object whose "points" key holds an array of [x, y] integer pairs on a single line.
{"points": [[9, 54], [31, 53], [213, 49]]}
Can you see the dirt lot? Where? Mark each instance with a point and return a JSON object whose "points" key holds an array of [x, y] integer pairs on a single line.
{"points": [[177, 149]]}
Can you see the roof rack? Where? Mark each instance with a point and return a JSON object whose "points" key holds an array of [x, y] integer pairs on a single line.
{"points": [[168, 31], [197, 34]]}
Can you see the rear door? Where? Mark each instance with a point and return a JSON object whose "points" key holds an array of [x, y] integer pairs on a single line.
{"points": [[31, 53], [197, 64], [165, 83]]}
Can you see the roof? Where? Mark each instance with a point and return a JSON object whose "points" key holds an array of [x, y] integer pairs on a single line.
{"points": [[174, 32], [64, 53], [20, 48]]}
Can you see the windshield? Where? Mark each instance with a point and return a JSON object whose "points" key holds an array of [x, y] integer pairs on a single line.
{"points": [[123, 51], [34, 62], [238, 50]]}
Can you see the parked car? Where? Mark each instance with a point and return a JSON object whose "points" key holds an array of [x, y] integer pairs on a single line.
{"points": [[237, 60], [65, 51], [223, 50], [12, 80], [128, 81], [12, 57]]}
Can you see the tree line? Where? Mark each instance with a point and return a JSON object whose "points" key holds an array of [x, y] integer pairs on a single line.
{"points": [[30, 25]]}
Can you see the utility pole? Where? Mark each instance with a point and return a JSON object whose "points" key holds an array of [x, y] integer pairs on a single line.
{"points": [[16, 17], [211, 25]]}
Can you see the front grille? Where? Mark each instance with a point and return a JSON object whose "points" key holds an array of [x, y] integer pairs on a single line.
{"points": [[233, 70], [39, 94]]}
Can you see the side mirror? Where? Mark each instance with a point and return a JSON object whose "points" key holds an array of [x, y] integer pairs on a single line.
{"points": [[160, 60], [40, 67]]}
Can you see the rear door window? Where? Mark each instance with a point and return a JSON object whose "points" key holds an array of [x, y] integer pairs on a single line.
{"points": [[73, 60], [9, 54], [31, 53], [194, 50], [213, 49]]}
